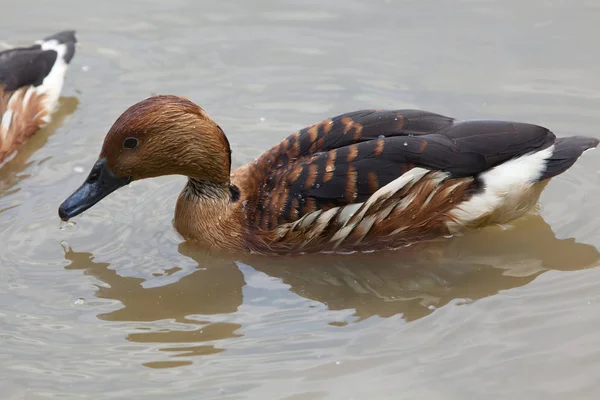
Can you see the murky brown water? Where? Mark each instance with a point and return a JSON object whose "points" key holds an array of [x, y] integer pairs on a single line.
{"points": [[119, 308]]}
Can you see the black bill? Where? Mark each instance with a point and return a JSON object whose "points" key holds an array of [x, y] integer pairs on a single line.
{"points": [[100, 183]]}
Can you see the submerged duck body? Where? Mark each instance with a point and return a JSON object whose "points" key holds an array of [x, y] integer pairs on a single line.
{"points": [[31, 80], [361, 181]]}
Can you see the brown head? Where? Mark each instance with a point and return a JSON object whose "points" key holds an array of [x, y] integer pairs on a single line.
{"points": [[161, 135]]}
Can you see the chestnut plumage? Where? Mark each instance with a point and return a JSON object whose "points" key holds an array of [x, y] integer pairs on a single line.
{"points": [[366, 180]]}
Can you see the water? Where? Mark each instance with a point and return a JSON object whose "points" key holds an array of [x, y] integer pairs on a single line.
{"points": [[118, 307]]}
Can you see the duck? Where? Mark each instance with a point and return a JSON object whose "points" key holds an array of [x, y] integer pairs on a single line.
{"points": [[31, 80], [363, 181]]}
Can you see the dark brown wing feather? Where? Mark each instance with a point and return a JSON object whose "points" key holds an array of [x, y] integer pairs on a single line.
{"points": [[346, 159]]}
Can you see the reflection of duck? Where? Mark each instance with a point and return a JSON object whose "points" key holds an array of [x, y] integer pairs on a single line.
{"points": [[473, 266], [405, 282], [205, 292], [31, 80], [11, 172], [365, 180]]}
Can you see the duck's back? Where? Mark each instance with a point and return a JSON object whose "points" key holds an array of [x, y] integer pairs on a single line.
{"points": [[360, 171], [346, 159], [31, 79]]}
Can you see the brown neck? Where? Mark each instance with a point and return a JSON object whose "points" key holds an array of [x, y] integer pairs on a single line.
{"points": [[217, 162], [210, 213]]}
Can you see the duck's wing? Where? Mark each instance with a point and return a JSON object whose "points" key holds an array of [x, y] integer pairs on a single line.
{"points": [[355, 127], [31, 80], [321, 169]]}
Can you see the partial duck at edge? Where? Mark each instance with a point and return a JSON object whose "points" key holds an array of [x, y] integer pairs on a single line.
{"points": [[31, 80], [362, 181]]}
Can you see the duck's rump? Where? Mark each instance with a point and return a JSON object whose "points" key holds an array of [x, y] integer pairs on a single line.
{"points": [[29, 66], [347, 159], [31, 80]]}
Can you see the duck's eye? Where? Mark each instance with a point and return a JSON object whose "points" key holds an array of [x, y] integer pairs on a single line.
{"points": [[130, 143]]}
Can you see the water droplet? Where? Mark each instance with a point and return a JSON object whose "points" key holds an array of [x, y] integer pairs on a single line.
{"points": [[395, 119], [79, 302], [381, 137], [78, 169], [67, 226], [406, 143], [262, 119], [431, 307], [338, 362], [85, 68], [329, 168], [318, 185]]}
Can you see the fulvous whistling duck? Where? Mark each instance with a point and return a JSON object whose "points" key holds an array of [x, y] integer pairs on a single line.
{"points": [[361, 181], [31, 79]]}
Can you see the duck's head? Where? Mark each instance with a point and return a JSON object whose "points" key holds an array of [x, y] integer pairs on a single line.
{"points": [[161, 135]]}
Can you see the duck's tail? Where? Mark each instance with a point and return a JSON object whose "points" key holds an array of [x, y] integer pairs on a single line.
{"points": [[64, 39], [566, 151], [513, 188]]}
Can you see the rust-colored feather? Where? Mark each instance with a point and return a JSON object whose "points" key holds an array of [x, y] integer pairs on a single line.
{"points": [[27, 115], [330, 166]]}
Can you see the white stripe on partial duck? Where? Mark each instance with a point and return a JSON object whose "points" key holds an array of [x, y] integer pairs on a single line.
{"points": [[5, 126], [52, 84]]}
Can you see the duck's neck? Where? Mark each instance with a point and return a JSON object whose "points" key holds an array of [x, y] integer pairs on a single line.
{"points": [[208, 213], [197, 189]]}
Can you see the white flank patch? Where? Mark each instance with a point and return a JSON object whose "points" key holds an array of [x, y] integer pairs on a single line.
{"points": [[503, 185], [308, 219], [5, 124], [388, 190], [52, 84], [321, 222], [27, 96], [414, 175]]}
